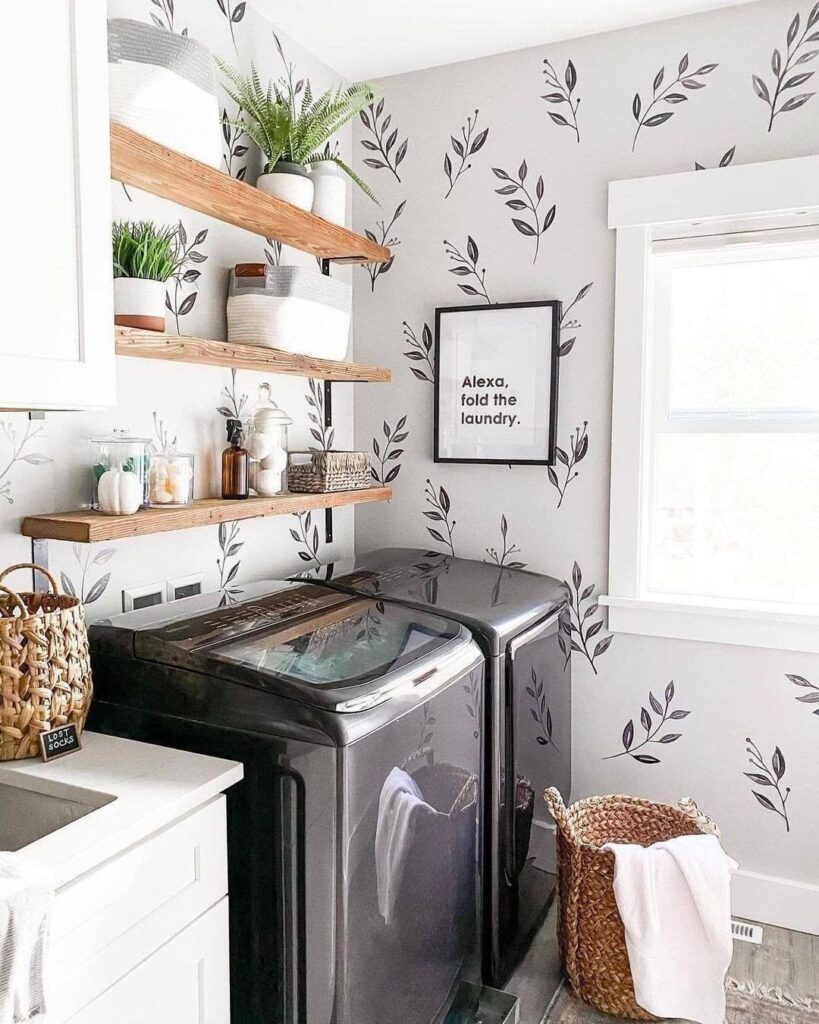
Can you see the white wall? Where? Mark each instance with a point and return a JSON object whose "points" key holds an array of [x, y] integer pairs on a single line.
{"points": [[51, 470], [731, 693]]}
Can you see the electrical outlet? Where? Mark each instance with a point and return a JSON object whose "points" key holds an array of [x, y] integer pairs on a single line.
{"points": [[184, 586], [145, 596]]}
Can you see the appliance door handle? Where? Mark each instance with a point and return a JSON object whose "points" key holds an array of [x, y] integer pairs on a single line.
{"points": [[536, 632]]}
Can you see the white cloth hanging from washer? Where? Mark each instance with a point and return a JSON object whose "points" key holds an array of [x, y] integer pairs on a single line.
{"points": [[675, 902]]}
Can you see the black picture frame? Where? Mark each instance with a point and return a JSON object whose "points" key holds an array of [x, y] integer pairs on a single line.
{"points": [[554, 363]]}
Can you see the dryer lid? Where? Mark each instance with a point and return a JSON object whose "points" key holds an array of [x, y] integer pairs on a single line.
{"points": [[496, 602], [305, 642]]}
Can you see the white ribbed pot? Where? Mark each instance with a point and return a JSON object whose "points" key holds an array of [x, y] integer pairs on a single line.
{"points": [[289, 182], [139, 303], [330, 191]]}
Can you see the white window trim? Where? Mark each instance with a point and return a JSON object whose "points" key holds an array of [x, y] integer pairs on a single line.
{"points": [[640, 210]]}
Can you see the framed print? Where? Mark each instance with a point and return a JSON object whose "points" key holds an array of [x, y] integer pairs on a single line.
{"points": [[496, 383]]}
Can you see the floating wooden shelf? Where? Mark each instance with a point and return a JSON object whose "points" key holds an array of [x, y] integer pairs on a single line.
{"points": [[143, 163], [182, 349], [88, 527]]}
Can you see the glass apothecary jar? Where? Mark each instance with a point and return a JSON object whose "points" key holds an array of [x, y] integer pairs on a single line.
{"points": [[120, 473], [170, 479], [267, 445]]}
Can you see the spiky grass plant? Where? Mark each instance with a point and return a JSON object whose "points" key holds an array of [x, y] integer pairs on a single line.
{"points": [[146, 250], [291, 128]]}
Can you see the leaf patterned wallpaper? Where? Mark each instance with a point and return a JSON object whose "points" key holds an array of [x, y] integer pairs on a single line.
{"points": [[493, 175], [44, 464]]}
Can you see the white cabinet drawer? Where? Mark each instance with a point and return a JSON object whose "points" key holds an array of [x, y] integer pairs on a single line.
{"points": [[185, 982], [109, 920]]}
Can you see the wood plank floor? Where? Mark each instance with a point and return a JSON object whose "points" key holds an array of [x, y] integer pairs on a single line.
{"points": [[788, 961]]}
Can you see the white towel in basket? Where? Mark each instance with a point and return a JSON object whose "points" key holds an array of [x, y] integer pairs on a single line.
{"points": [[25, 900], [675, 902]]}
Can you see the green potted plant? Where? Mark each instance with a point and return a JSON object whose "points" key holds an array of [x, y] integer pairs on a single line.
{"points": [[293, 132], [146, 256]]}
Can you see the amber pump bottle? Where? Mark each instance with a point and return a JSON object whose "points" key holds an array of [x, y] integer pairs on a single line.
{"points": [[235, 463]]}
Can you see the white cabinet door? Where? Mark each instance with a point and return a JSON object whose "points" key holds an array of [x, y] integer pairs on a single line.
{"points": [[56, 293], [184, 982]]}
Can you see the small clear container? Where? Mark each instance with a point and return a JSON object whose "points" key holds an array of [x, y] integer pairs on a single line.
{"points": [[266, 443], [170, 479], [120, 473]]}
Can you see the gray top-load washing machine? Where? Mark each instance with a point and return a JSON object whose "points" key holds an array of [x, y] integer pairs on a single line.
{"points": [[353, 840], [516, 617]]}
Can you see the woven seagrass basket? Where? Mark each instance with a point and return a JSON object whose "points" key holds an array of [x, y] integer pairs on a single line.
{"points": [[45, 669], [320, 472], [590, 932]]}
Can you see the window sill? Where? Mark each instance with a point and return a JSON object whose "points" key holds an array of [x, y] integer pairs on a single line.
{"points": [[741, 623]]}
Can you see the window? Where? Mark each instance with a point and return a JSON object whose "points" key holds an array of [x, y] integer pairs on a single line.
{"points": [[715, 456]]}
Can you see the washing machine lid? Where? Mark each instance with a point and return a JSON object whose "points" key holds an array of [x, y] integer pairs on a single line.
{"points": [[496, 602], [305, 642]]}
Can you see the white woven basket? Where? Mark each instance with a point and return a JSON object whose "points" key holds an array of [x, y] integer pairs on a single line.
{"points": [[294, 309], [163, 85]]}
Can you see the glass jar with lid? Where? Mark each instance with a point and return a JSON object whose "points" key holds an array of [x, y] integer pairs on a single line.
{"points": [[267, 445], [119, 473]]}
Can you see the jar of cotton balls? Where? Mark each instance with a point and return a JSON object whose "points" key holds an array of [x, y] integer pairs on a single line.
{"points": [[267, 446], [170, 473]]}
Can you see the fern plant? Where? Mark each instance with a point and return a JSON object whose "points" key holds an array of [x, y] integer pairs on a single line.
{"points": [[295, 128], [142, 249]]}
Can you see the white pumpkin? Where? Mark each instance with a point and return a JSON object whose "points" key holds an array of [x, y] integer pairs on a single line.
{"points": [[119, 492]]}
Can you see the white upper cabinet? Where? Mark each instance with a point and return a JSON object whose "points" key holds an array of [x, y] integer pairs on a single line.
{"points": [[56, 340]]}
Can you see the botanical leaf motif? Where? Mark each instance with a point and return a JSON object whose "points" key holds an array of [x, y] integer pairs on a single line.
{"points": [[383, 141], [536, 223], [581, 625], [67, 585], [662, 91], [466, 265], [387, 452], [563, 93], [97, 589], [782, 68], [439, 509], [578, 448], [770, 778], [505, 557], [384, 237], [176, 300], [469, 143], [653, 729]]}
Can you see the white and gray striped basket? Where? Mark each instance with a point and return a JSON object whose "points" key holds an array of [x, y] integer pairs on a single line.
{"points": [[321, 472], [163, 85], [294, 309]]}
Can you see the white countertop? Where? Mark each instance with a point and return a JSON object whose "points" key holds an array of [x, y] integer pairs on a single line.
{"points": [[136, 788]]}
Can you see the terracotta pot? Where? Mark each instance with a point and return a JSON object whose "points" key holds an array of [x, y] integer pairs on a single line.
{"points": [[139, 303]]}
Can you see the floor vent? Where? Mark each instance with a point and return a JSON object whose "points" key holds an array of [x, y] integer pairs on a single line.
{"points": [[746, 932]]}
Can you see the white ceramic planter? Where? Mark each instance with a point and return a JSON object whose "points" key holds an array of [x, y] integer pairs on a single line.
{"points": [[139, 303], [330, 191], [289, 182]]}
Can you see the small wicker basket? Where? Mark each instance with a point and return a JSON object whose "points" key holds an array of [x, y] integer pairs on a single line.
{"points": [[320, 472], [45, 669], [590, 931]]}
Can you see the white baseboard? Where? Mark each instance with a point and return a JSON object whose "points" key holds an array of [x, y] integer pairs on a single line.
{"points": [[776, 901], [755, 897]]}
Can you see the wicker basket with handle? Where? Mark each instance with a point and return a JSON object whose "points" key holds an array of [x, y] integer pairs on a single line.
{"points": [[590, 932], [45, 669]]}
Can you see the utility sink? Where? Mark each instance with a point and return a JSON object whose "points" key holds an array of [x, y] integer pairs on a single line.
{"points": [[27, 815]]}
